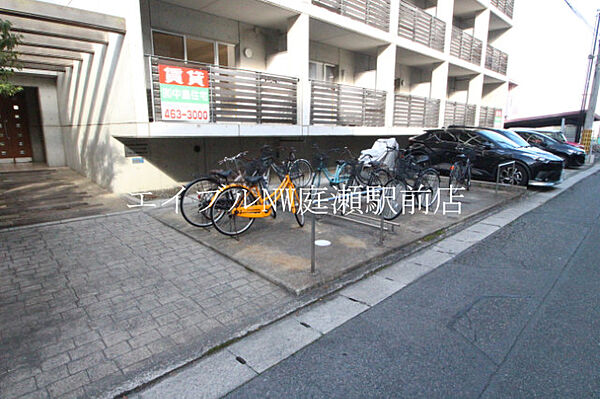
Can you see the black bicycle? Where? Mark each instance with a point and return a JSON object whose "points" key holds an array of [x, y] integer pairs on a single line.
{"points": [[460, 172], [411, 177], [300, 170]]}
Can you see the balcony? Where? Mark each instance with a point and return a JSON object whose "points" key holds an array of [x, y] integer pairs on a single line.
{"points": [[496, 60], [343, 105], [415, 111], [487, 116], [420, 27], [459, 114], [465, 46], [375, 13], [506, 6], [235, 95]]}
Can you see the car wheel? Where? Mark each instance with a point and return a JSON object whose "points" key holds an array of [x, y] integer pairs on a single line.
{"points": [[516, 176]]}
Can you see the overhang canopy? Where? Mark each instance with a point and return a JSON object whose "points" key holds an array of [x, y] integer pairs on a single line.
{"points": [[54, 37], [571, 118]]}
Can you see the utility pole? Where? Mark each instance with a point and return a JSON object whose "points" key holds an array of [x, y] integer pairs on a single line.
{"points": [[591, 108]]}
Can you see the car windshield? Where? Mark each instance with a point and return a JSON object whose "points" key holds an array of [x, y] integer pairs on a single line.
{"points": [[516, 138], [499, 139]]}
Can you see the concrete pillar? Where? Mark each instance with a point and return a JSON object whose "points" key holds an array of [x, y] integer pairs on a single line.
{"points": [[439, 87], [445, 12], [475, 93], [480, 30], [298, 39], [386, 71]]}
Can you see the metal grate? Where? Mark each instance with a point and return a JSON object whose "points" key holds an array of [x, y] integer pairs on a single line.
{"points": [[465, 46], [336, 104], [135, 148], [496, 60], [238, 95], [487, 116], [414, 111], [375, 13], [420, 27], [459, 114]]}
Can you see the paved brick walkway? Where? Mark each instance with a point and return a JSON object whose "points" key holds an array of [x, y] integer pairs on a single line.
{"points": [[91, 307]]}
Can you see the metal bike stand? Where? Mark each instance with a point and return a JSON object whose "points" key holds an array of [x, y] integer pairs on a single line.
{"points": [[313, 237], [502, 165]]}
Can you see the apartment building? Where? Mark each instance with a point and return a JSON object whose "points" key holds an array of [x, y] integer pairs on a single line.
{"points": [[142, 94]]}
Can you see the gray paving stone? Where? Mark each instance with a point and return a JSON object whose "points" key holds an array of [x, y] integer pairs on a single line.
{"points": [[68, 384], [211, 377], [326, 316], [274, 343], [371, 290], [403, 272]]}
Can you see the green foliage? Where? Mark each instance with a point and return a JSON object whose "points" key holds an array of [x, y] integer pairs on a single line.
{"points": [[8, 59]]}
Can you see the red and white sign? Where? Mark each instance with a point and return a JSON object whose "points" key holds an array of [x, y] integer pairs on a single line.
{"points": [[184, 94]]}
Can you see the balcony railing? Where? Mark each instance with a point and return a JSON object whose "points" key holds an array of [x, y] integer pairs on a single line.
{"points": [[465, 46], [372, 12], [487, 116], [414, 111], [459, 114], [421, 27], [342, 105], [496, 60], [506, 6], [236, 95]]}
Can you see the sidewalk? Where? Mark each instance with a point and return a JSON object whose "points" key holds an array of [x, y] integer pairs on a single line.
{"points": [[97, 307]]}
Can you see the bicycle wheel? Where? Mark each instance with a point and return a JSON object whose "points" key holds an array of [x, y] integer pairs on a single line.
{"points": [[195, 199], [383, 176], [468, 180], [393, 207], [227, 202], [428, 184], [301, 173], [298, 214], [455, 181], [364, 172], [346, 177]]}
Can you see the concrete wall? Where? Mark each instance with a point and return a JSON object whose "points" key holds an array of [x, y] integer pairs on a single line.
{"points": [[458, 89], [49, 121], [414, 81], [34, 122]]}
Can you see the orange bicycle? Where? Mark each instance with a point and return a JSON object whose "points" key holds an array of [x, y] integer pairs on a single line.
{"points": [[236, 206]]}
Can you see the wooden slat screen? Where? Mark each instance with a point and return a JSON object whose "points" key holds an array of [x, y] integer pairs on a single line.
{"points": [[459, 114], [415, 111], [375, 13], [487, 115], [238, 95], [342, 105], [421, 27], [496, 60], [506, 6], [465, 46]]}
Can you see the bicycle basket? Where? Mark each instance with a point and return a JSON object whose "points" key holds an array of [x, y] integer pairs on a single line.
{"points": [[320, 160], [254, 167], [406, 166]]}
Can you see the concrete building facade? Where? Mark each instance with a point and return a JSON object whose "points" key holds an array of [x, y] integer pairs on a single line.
{"points": [[292, 72]]}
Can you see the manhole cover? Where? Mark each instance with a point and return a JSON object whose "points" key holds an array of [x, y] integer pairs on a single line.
{"points": [[322, 243]]}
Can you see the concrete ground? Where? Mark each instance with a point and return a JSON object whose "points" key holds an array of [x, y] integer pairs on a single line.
{"points": [[97, 307], [280, 251], [505, 308], [34, 193]]}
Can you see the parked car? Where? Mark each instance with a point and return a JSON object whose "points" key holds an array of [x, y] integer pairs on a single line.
{"points": [[573, 156], [488, 149], [558, 136]]}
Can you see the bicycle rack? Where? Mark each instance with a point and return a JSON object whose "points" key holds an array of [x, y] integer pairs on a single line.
{"points": [[362, 219], [502, 165]]}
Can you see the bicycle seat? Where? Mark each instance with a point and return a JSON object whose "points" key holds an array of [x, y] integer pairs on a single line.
{"points": [[461, 156], [224, 174], [253, 179], [340, 162], [421, 159]]}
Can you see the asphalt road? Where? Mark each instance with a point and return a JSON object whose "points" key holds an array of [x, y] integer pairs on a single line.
{"points": [[515, 316]]}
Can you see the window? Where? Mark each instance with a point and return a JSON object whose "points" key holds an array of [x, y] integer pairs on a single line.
{"points": [[192, 49], [321, 71], [446, 136], [167, 45], [200, 51]]}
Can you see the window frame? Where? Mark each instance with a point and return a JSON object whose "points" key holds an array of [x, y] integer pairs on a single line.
{"points": [[321, 66], [185, 37]]}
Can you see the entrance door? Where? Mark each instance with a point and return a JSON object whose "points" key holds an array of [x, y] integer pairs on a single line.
{"points": [[15, 143]]}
